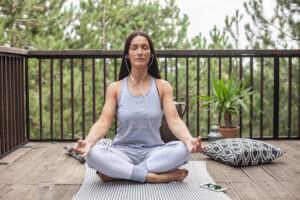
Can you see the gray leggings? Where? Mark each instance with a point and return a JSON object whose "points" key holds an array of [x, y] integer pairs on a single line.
{"points": [[134, 163]]}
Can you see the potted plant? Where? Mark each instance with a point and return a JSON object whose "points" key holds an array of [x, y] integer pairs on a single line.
{"points": [[226, 100]]}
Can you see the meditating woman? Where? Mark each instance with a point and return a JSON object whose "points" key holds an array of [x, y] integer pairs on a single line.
{"points": [[139, 99]]}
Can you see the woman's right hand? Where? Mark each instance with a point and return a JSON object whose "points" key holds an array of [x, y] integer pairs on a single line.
{"points": [[82, 147]]}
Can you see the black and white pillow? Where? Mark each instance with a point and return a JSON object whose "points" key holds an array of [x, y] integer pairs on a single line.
{"points": [[104, 142], [242, 152]]}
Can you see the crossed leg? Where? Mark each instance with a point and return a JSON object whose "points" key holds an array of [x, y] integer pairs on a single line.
{"points": [[160, 166], [175, 175], [163, 163]]}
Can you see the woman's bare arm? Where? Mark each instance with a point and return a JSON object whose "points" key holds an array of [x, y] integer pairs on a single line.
{"points": [[102, 125], [175, 123]]}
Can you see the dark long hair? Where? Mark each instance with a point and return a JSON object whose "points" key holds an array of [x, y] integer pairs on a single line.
{"points": [[152, 70]]}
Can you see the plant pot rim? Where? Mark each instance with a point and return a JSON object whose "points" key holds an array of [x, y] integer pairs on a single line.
{"points": [[232, 127]]}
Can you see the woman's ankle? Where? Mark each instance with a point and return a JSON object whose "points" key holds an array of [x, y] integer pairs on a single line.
{"points": [[175, 175], [105, 178], [157, 178]]}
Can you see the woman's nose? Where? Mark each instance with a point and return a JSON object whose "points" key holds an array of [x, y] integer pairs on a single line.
{"points": [[139, 50]]}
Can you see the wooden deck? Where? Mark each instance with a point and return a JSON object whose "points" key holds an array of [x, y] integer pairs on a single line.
{"points": [[37, 162]]}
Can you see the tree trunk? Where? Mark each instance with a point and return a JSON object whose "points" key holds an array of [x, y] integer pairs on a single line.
{"points": [[103, 27], [227, 120]]}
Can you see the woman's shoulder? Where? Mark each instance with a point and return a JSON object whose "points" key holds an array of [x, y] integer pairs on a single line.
{"points": [[115, 85], [115, 88], [163, 86]]}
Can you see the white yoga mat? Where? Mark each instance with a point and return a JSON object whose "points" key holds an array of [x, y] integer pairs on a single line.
{"points": [[93, 188]]}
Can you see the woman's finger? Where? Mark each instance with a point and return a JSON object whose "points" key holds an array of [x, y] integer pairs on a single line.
{"points": [[85, 153], [203, 148], [74, 148], [199, 139], [194, 149], [190, 149]]}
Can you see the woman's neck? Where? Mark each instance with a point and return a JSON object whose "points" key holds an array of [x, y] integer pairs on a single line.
{"points": [[138, 75]]}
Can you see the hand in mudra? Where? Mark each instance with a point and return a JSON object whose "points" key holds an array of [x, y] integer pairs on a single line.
{"points": [[194, 145], [82, 147]]}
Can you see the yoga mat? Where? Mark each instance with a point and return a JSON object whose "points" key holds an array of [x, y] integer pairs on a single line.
{"points": [[93, 188]]}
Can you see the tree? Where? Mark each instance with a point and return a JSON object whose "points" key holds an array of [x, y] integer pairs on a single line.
{"points": [[33, 24], [106, 24], [235, 20], [93, 24], [285, 21]]}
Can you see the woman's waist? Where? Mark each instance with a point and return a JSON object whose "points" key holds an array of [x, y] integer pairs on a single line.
{"points": [[136, 138]]}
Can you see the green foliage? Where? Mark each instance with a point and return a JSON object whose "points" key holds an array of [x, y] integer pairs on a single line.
{"points": [[235, 20], [284, 20], [33, 24], [92, 24], [106, 24], [228, 99]]}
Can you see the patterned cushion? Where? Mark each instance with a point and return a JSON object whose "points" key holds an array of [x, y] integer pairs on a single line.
{"points": [[104, 142], [242, 152]]}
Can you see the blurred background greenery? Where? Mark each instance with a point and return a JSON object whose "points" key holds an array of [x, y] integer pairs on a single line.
{"points": [[104, 25]]}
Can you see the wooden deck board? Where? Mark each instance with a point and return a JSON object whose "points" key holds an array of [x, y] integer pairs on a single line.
{"points": [[268, 184], [211, 166], [26, 167], [18, 153], [293, 187], [32, 164], [249, 191], [65, 170], [18, 192], [30, 192], [230, 190]]}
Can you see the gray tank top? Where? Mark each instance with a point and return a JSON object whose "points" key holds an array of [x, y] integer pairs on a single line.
{"points": [[134, 128]]}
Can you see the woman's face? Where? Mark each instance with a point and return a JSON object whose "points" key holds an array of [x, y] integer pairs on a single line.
{"points": [[139, 52]]}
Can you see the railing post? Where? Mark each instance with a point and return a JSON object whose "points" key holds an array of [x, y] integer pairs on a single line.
{"points": [[298, 98], [276, 98], [27, 99]]}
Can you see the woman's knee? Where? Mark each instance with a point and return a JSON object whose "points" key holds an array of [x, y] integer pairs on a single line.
{"points": [[181, 151], [171, 156], [176, 150], [95, 155]]}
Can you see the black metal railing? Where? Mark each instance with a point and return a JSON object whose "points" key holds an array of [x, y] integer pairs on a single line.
{"points": [[12, 112], [184, 69]]}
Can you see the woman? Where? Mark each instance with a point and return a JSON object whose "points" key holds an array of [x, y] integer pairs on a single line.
{"points": [[139, 99]]}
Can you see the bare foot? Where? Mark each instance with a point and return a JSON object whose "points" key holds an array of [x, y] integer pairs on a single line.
{"points": [[175, 175], [105, 178]]}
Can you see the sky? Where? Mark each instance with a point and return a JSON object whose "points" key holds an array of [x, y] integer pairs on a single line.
{"points": [[203, 15]]}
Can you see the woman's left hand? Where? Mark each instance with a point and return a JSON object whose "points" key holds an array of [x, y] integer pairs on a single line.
{"points": [[194, 145]]}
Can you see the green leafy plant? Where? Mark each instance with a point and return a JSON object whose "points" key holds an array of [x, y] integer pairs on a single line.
{"points": [[227, 99]]}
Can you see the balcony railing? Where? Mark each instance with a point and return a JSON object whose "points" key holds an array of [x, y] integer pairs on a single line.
{"points": [[41, 98]]}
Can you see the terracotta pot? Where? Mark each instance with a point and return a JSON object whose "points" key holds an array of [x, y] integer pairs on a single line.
{"points": [[231, 132]]}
